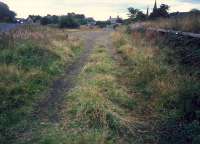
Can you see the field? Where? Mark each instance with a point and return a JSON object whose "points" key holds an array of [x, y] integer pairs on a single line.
{"points": [[86, 86]]}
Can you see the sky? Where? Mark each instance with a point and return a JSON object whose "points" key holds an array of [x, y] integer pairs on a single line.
{"points": [[99, 9]]}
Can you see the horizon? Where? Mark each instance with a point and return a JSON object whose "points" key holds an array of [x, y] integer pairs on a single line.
{"points": [[99, 10]]}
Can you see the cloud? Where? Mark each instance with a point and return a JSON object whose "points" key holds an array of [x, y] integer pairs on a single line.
{"points": [[99, 9], [191, 1]]}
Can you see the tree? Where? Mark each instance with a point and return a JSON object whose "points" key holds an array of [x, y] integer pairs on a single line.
{"points": [[45, 21], [89, 20], [163, 10], [55, 19], [102, 24], [195, 11], [136, 14], [35, 18], [6, 15], [160, 12], [68, 22]]}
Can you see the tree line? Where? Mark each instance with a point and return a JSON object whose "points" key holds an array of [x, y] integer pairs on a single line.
{"points": [[161, 12], [71, 20]]}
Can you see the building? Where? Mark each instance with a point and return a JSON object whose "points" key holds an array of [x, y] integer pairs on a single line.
{"points": [[115, 21], [29, 20], [155, 8]]}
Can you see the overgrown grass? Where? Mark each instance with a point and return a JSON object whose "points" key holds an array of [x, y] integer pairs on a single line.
{"points": [[97, 103], [30, 58], [166, 94], [95, 111], [188, 23]]}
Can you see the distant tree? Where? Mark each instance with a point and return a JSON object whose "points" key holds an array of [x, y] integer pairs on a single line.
{"points": [[6, 15], [35, 18], [90, 20], [45, 21], [196, 11], [163, 10], [160, 12], [136, 14], [68, 22], [54, 19], [102, 24]]}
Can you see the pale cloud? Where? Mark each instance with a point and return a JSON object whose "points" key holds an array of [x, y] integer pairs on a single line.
{"points": [[99, 9]]}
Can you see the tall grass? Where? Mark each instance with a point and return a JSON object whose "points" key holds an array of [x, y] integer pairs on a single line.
{"points": [[166, 94], [188, 23], [30, 57]]}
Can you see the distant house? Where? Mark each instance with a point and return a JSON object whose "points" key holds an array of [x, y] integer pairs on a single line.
{"points": [[115, 21], [112, 20], [29, 20]]}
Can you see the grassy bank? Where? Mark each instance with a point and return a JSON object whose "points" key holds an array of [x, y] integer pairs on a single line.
{"points": [[166, 93], [187, 23], [30, 58]]}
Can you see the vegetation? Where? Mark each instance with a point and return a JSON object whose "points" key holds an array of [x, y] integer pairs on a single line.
{"points": [[166, 92], [161, 18], [102, 24], [95, 111], [68, 22], [189, 22], [30, 58], [161, 12], [71, 20], [136, 15], [35, 18], [6, 15]]}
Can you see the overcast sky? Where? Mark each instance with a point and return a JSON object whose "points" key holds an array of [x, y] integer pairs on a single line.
{"points": [[99, 9]]}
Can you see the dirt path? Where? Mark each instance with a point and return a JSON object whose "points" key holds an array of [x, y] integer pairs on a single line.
{"points": [[49, 107]]}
